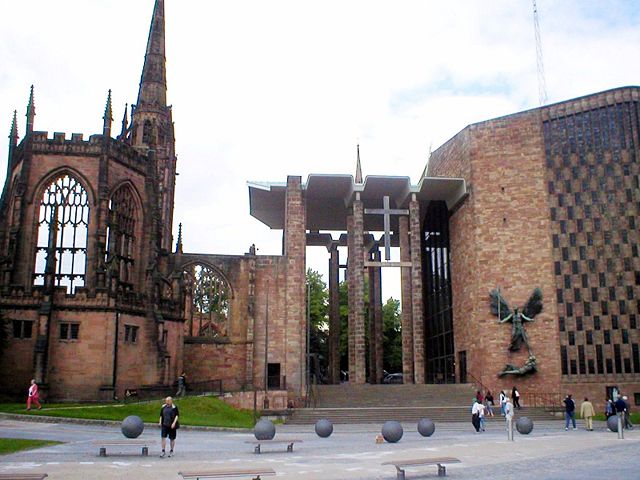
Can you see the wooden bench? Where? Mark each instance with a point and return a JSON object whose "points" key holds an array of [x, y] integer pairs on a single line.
{"points": [[257, 444], [254, 473], [439, 461], [123, 443], [23, 476]]}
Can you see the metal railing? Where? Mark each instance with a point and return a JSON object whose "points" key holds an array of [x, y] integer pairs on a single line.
{"points": [[478, 384], [549, 400]]}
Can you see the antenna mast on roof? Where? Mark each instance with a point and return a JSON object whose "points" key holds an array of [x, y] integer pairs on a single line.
{"points": [[542, 84]]}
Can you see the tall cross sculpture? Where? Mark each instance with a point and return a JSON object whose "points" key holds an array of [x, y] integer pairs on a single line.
{"points": [[387, 211]]}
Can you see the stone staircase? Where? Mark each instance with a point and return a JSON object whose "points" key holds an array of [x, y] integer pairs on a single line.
{"points": [[359, 404]]}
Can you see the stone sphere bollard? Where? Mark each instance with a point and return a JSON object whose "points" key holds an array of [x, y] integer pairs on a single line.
{"points": [[324, 428], [524, 425], [264, 430], [132, 426], [426, 427], [612, 423], [392, 431]]}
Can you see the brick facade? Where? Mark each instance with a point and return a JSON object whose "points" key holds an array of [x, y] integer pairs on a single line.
{"points": [[513, 230]]}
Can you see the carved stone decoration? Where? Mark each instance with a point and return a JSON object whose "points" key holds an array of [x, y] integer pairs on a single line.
{"points": [[501, 309]]}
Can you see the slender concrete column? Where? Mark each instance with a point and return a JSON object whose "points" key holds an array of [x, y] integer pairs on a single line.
{"points": [[295, 242], [351, 343], [375, 309], [357, 360], [407, 309], [416, 289], [370, 325], [334, 314]]}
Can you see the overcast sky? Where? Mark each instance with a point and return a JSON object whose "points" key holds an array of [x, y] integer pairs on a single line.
{"points": [[264, 89]]}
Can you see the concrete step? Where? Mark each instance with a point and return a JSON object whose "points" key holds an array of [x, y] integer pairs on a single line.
{"points": [[348, 395]]}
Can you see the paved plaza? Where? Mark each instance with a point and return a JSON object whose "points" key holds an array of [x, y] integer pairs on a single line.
{"points": [[350, 453]]}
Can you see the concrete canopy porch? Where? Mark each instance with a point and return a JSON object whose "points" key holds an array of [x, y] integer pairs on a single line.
{"points": [[338, 203]]}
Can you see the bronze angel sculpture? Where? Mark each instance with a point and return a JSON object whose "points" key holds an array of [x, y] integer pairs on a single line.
{"points": [[501, 309]]}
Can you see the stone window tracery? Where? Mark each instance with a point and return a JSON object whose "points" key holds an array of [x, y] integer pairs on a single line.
{"points": [[120, 255], [63, 223], [209, 312]]}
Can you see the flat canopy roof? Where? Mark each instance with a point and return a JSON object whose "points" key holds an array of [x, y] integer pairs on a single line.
{"points": [[328, 198]]}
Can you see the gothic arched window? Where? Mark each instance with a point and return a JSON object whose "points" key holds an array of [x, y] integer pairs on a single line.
{"points": [[147, 132], [209, 303], [62, 234], [120, 256]]}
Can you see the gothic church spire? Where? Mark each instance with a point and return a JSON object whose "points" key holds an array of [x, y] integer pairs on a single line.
{"points": [[358, 168], [153, 83], [13, 135], [31, 113], [107, 117], [125, 123]]}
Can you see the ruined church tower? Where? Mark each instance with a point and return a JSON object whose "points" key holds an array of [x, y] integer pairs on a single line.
{"points": [[85, 240]]}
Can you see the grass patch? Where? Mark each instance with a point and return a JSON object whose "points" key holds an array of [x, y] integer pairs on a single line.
{"points": [[635, 417], [195, 411], [12, 445]]}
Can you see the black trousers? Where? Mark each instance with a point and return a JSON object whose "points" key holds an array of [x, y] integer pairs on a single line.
{"points": [[475, 421]]}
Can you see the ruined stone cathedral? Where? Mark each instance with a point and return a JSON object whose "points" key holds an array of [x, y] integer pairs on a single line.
{"points": [[98, 299]]}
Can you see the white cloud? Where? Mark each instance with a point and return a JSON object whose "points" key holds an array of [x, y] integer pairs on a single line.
{"points": [[265, 89]]}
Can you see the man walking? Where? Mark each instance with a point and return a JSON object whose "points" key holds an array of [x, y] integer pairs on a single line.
{"points": [[587, 412], [569, 412], [622, 411], [627, 413], [475, 415], [168, 425], [182, 380]]}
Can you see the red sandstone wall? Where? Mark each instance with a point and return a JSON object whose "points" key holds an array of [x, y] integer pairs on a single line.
{"points": [[216, 361], [270, 290], [17, 358], [501, 237]]}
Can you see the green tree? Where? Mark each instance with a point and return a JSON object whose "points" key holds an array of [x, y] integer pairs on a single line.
{"points": [[319, 319], [392, 336], [319, 312]]}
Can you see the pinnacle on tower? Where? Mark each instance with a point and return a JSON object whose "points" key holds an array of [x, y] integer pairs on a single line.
{"points": [[107, 117], [13, 135], [358, 168], [31, 113], [179, 242], [125, 123], [153, 83]]}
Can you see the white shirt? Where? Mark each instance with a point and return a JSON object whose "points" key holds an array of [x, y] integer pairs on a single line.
{"points": [[508, 409], [478, 408], [503, 398]]}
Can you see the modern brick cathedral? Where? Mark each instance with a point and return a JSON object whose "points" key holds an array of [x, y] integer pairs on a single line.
{"points": [[99, 300]]}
